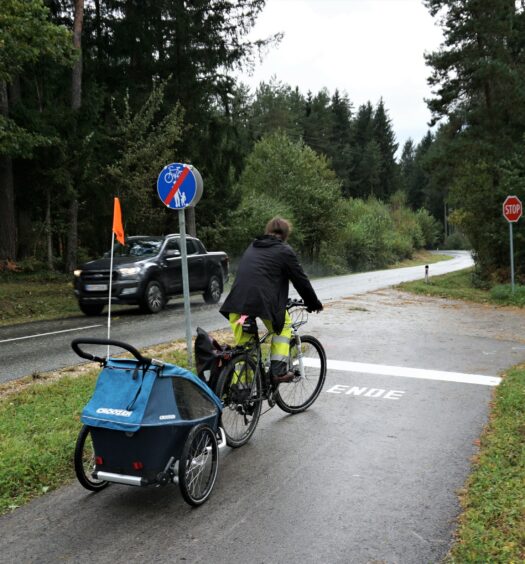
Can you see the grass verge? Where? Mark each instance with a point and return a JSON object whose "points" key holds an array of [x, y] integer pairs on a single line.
{"points": [[40, 421], [32, 298], [458, 285], [492, 525], [420, 258]]}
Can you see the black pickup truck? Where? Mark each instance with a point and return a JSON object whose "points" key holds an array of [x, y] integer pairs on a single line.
{"points": [[147, 271]]}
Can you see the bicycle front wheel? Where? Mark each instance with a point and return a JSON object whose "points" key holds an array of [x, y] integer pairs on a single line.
{"points": [[239, 388], [300, 393]]}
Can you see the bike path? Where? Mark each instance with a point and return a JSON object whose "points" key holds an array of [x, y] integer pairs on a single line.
{"points": [[357, 478]]}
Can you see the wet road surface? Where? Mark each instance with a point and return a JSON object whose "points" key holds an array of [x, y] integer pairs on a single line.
{"points": [[368, 474]]}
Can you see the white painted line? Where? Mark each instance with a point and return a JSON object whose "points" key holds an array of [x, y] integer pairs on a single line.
{"points": [[404, 372], [51, 333]]}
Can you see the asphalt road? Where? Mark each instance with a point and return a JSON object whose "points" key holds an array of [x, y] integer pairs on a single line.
{"points": [[369, 474], [45, 346]]}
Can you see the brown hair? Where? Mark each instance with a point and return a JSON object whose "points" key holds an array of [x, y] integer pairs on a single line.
{"points": [[279, 227]]}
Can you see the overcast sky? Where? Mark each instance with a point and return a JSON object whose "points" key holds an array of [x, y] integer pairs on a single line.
{"points": [[368, 48]]}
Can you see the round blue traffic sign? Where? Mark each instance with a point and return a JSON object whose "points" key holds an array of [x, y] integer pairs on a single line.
{"points": [[177, 186]]}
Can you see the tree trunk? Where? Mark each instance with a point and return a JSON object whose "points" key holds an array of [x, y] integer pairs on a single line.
{"points": [[72, 236], [49, 232], [76, 102], [190, 222], [7, 193], [76, 90]]}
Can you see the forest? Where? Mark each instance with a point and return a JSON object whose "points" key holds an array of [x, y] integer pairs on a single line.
{"points": [[97, 96]]}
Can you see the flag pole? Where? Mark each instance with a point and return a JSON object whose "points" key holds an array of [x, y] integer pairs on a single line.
{"points": [[110, 286]]}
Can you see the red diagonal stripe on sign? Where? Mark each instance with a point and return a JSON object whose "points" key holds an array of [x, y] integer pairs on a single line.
{"points": [[176, 185]]}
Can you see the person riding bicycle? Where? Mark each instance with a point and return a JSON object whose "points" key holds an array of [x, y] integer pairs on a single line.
{"points": [[260, 290]]}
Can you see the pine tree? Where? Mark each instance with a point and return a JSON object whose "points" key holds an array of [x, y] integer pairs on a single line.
{"points": [[341, 138], [478, 77], [385, 138]]}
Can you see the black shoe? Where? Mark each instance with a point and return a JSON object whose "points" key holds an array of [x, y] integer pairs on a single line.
{"points": [[284, 378]]}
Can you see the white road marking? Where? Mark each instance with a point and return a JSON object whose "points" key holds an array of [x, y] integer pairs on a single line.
{"points": [[51, 333], [366, 392], [404, 372]]}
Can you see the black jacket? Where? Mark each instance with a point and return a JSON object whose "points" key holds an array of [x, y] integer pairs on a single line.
{"points": [[260, 288]]}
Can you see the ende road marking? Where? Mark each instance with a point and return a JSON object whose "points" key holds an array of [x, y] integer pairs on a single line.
{"points": [[404, 372], [366, 392], [51, 333]]}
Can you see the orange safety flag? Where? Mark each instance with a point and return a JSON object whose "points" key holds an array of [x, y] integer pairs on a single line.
{"points": [[118, 228]]}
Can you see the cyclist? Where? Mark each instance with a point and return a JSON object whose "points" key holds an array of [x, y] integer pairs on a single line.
{"points": [[260, 290]]}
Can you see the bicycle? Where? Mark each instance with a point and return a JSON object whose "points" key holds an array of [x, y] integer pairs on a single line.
{"points": [[244, 383]]}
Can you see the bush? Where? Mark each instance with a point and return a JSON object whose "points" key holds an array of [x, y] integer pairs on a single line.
{"points": [[503, 293], [457, 241], [377, 235], [430, 228]]}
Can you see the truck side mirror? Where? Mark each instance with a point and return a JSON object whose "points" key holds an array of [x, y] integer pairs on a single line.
{"points": [[170, 253]]}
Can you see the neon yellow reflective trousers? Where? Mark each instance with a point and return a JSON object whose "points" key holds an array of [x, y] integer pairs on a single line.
{"points": [[280, 347]]}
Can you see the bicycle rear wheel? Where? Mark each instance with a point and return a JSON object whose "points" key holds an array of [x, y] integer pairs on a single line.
{"points": [[239, 388], [300, 393]]}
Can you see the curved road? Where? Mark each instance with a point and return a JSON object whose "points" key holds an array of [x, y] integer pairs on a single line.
{"points": [[44, 346]]}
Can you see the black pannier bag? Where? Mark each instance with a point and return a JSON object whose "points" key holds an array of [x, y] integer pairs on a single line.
{"points": [[210, 357]]}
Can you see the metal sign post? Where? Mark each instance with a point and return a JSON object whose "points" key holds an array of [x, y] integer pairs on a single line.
{"points": [[512, 211], [185, 282], [180, 186]]}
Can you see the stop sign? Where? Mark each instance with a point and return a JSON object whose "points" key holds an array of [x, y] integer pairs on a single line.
{"points": [[512, 208]]}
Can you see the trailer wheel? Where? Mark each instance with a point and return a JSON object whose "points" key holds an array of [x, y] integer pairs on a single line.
{"points": [[198, 465], [85, 461]]}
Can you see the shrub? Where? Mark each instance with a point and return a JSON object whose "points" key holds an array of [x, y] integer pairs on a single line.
{"points": [[430, 228], [503, 293], [457, 241]]}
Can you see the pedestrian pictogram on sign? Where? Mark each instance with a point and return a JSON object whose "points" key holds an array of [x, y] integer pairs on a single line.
{"points": [[512, 209], [177, 186]]}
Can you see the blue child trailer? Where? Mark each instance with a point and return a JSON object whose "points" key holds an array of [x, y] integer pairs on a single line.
{"points": [[148, 423]]}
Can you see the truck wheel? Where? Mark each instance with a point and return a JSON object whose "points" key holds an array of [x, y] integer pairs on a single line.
{"points": [[153, 299], [214, 290], [91, 309]]}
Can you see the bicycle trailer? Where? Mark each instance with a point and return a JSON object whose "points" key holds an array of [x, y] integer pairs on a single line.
{"points": [[150, 423]]}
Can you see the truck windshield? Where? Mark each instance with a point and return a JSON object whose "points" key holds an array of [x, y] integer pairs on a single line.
{"points": [[146, 247]]}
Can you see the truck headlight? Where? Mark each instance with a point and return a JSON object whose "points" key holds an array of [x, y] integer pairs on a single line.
{"points": [[77, 272], [130, 271]]}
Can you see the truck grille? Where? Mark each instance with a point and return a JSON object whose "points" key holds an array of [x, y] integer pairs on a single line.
{"points": [[97, 276]]}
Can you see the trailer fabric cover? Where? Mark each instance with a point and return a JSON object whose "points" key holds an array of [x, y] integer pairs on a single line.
{"points": [[127, 396]]}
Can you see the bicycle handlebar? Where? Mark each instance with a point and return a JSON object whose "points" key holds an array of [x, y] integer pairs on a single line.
{"points": [[75, 345], [294, 303]]}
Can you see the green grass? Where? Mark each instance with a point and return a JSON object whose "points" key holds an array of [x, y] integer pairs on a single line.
{"points": [[420, 258], [31, 298], [492, 526], [39, 425], [39, 428], [458, 286]]}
